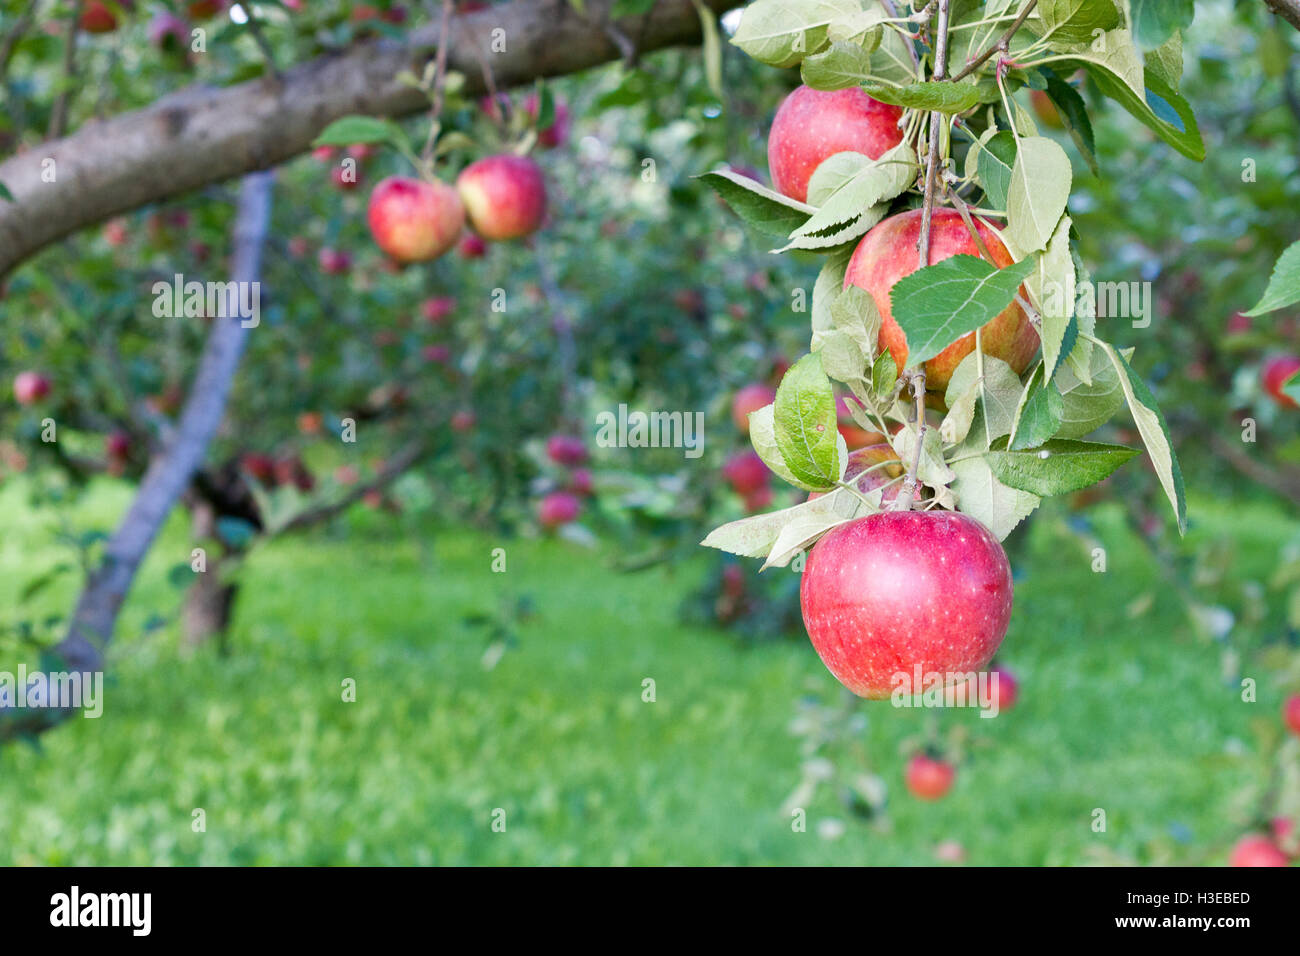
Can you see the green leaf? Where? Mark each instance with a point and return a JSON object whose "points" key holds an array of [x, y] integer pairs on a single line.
{"points": [[1166, 61], [764, 209], [937, 305], [998, 393], [942, 97], [1052, 288], [1058, 467], [841, 65], [799, 534], [1154, 430], [5, 194], [1120, 75], [762, 435], [842, 357], [1153, 22], [854, 313], [884, 375], [805, 420], [986, 499], [856, 204], [1039, 416], [827, 291], [996, 159], [1086, 406], [1039, 190], [1075, 21], [1284, 286], [1074, 113], [362, 129], [755, 536], [712, 49], [782, 32]]}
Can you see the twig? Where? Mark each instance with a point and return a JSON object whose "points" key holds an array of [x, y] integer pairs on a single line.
{"points": [[904, 500], [439, 77], [16, 33], [394, 468], [1288, 10], [255, 28], [936, 125], [59, 114], [1004, 42]]}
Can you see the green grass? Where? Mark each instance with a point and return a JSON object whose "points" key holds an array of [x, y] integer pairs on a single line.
{"points": [[1129, 715]]}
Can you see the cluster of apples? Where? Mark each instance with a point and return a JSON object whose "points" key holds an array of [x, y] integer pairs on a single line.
{"points": [[897, 589], [1280, 846], [563, 505], [287, 470]]}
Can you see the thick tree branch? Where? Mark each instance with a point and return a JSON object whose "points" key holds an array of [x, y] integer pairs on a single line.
{"points": [[200, 135], [169, 474], [1288, 10]]}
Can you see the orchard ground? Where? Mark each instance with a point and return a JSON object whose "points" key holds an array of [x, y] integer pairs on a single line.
{"points": [[1120, 708]]}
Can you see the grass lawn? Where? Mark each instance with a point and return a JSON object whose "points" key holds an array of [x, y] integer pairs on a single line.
{"points": [[1128, 714]]}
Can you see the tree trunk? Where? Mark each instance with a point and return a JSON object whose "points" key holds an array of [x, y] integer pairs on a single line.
{"points": [[209, 604]]}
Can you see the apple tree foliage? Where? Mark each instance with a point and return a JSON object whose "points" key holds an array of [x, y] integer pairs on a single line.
{"points": [[1005, 441]]}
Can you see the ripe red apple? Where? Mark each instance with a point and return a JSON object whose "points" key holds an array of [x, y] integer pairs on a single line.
{"points": [[555, 134], [812, 125], [323, 154], [169, 32], [888, 253], [1284, 835], [297, 246], [98, 17], [204, 9], [1275, 373], [885, 594], [758, 499], [115, 232], [1255, 849], [311, 423], [1291, 713], [746, 472], [472, 247], [929, 778], [346, 178], [437, 309], [504, 196], [259, 466], [750, 399], [463, 421], [347, 475], [1239, 324], [413, 220], [334, 262], [557, 508], [567, 450], [1008, 688], [117, 444], [30, 387], [436, 353]]}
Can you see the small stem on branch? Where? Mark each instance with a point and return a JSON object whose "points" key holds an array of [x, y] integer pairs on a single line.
{"points": [[1004, 43], [904, 500]]}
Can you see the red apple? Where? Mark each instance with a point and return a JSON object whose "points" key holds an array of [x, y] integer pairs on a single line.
{"points": [[204, 9], [504, 196], [297, 246], [334, 262], [758, 499], [557, 508], [413, 220], [346, 178], [567, 450], [1291, 713], [472, 247], [1008, 688], [99, 17], [746, 473], [30, 387], [117, 444], [347, 475], [311, 423], [323, 154], [555, 134], [463, 421], [437, 309], [115, 232], [1284, 835], [928, 778], [258, 466], [894, 591], [750, 399], [436, 353], [1255, 849], [888, 253], [169, 32], [812, 125], [1275, 373], [1239, 324]]}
